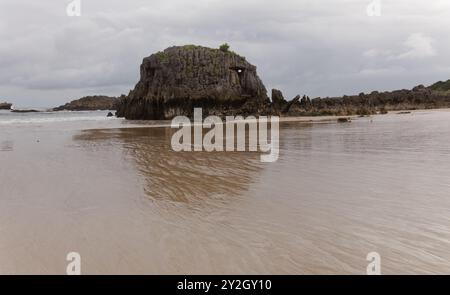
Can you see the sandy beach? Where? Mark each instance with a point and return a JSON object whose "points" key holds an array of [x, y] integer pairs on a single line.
{"points": [[122, 198]]}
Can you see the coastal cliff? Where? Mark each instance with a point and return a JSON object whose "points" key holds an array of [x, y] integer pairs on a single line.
{"points": [[90, 103], [175, 81]]}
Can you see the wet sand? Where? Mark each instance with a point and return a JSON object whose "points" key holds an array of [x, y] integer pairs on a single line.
{"points": [[120, 197]]}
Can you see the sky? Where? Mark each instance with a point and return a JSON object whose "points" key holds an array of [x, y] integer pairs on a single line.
{"points": [[319, 48]]}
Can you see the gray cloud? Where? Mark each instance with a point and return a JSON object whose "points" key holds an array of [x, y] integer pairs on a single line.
{"points": [[319, 48]]}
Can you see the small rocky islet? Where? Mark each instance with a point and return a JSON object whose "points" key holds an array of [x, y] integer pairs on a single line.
{"points": [[177, 80], [5, 106], [90, 103]]}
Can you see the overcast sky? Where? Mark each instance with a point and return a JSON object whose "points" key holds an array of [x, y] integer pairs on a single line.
{"points": [[318, 48]]}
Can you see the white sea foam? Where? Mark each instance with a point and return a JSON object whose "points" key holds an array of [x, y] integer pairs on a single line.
{"points": [[8, 118]]}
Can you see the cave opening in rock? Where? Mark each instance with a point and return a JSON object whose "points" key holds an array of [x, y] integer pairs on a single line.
{"points": [[240, 72]]}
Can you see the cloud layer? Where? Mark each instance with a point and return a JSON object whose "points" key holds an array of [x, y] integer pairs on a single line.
{"points": [[319, 48]]}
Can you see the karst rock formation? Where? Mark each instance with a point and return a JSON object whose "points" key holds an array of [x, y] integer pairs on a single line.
{"points": [[177, 80]]}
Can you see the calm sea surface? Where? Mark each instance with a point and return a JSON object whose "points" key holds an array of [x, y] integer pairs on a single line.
{"points": [[116, 193]]}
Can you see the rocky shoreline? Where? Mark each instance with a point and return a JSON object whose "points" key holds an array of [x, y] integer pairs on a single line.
{"points": [[436, 96], [175, 81]]}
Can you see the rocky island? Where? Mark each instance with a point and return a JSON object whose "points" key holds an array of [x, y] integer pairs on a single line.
{"points": [[175, 81], [90, 103], [5, 106]]}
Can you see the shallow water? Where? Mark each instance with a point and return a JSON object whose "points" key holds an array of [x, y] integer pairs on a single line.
{"points": [[128, 204]]}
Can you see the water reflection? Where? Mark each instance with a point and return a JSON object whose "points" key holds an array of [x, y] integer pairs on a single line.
{"points": [[188, 177], [6, 146], [130, 205]]}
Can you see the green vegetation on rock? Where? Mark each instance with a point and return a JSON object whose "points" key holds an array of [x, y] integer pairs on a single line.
{"points": [[224, 47], [161, 56], [441, 86]]}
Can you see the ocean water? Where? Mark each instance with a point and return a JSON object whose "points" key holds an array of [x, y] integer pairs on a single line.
{"points": [[24, 119], [115, 192]]}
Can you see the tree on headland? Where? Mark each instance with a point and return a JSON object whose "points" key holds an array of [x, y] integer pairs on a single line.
{"points": [[224, 47]]}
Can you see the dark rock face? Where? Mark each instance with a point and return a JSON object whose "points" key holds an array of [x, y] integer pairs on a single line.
{"points": [[344, 120], [292, 104], [90, 103], [177, 80], [25, 111], [278, 101], [5, 106], [420, 97]]}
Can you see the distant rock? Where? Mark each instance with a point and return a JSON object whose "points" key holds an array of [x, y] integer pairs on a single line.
{"points": [[90, 103], [110, 115], [25, 111], [175, 81], [344, 120], [5, 106]]}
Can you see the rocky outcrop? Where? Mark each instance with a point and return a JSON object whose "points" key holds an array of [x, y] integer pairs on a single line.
{"points": [[5, 106], [344, 120], [282, 107], [175, 81], [440, 86], [293, 103], [420, 97], [278, 101], [25, 111], [90, 103]]}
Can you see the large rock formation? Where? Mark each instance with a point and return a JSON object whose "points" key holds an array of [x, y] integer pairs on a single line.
{"points": [[177, 80], [90, 103], [5, 106]]}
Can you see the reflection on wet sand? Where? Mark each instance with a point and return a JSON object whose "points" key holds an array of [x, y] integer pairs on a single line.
{"points": [[195, 178], [130, 205], [6, 146]]}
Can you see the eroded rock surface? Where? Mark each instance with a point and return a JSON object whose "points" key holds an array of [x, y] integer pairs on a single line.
{"points": [[177, 80]]}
